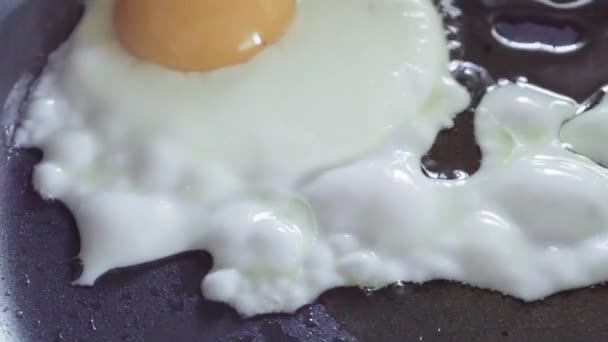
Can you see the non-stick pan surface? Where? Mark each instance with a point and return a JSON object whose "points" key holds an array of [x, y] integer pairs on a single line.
{"points": [[162, 301]]}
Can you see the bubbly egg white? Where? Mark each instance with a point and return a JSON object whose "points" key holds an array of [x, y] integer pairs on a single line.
{"points": [[532, 221], [300, 171]]}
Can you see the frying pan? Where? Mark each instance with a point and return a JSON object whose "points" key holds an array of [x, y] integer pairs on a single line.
{"points": [[162, 301]]}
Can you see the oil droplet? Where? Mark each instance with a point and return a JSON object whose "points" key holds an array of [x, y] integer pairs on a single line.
{"points": [[447, 8], [561, 4], [92, 324], [532, 34], [472, 76], [310, 322], [398, 288], [427, 168], [594, 100], [59, 337], [368, 291]]}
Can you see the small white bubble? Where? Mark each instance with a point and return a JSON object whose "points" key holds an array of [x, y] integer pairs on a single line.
{"points": [[92, 324]]}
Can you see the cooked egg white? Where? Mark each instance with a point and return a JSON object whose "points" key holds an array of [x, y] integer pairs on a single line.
{"points": [[532, 221], [300, 169]]}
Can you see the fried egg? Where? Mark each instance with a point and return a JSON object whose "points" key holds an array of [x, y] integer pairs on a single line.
{"points": [[290, 150], [178, 144]]}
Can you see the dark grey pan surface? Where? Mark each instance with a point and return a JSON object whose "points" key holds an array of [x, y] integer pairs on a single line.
{"points": [[162, 302]]}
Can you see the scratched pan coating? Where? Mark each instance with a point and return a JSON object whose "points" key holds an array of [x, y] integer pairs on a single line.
{"points": [[162, 302]]}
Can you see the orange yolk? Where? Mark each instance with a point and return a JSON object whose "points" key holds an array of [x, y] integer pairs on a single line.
{"points": [[200, 35]]}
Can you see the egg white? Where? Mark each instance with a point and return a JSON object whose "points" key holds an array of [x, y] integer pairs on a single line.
{"points": [[346, 74]]}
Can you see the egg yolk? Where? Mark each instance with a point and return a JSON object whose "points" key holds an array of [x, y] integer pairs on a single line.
{"points": [[200, 35]]}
